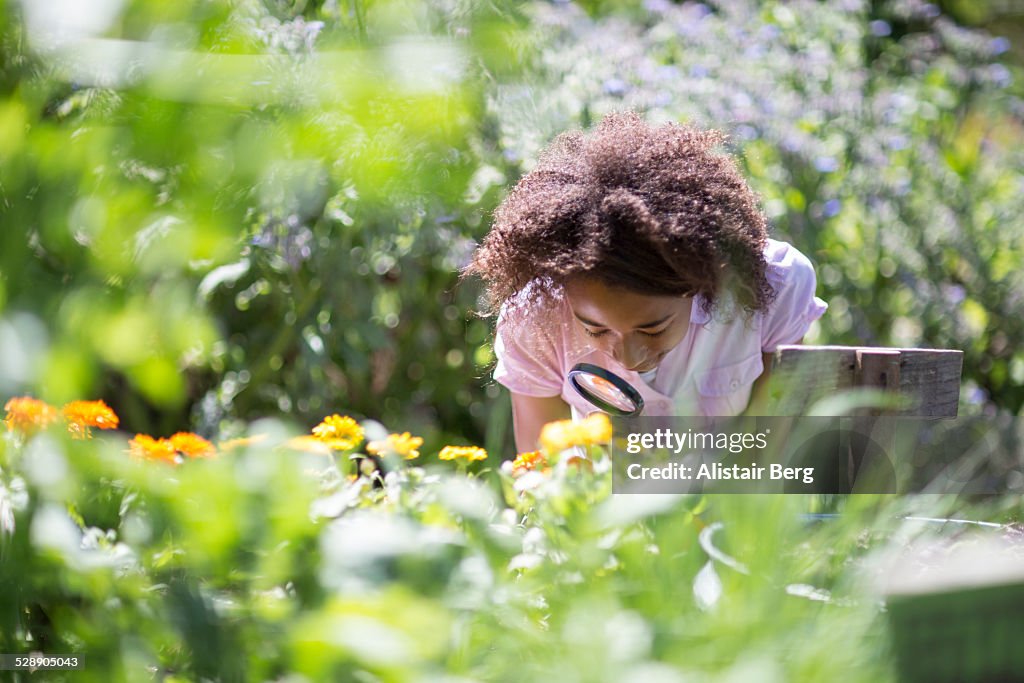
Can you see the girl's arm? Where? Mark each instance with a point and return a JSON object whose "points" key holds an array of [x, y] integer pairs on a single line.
{"points": [[531, 413]]}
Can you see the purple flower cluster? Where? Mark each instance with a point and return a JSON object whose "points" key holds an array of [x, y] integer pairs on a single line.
{"points": [[294, 37], [287, 240]]}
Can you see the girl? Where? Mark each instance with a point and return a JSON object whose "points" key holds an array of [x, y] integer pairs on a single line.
{"points": [[642, 250]]}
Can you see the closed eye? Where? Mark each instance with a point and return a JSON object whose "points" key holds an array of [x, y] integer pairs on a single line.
{"points": [[646, 334]]}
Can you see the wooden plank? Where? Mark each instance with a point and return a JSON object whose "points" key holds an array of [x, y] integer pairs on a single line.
{"points": [[929, 377], [933, 377], [803, 375], [877, 367]]}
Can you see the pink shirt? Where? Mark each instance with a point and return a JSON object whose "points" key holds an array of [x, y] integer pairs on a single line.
{"points": [[710, 372]]}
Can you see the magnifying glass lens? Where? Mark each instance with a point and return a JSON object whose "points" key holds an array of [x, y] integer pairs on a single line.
{"points": [[606, 390]]}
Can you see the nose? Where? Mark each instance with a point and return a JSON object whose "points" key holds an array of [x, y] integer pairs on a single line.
{"points": [[630, 353]]}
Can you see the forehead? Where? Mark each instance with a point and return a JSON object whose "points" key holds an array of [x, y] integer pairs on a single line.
{"points": [[616, 307]]}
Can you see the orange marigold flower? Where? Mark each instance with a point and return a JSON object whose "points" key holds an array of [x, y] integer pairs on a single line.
{"points": [[340, 433], [82, 415], [404, 444], [530, 460], [173, 450], [28, 415], [192, 445], [145, 447], [470, 453], [557, 436]]}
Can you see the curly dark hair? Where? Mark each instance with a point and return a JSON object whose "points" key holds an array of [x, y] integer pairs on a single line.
{"points": [[655, 210]]}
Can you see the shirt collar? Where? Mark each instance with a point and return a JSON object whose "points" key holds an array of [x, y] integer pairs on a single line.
{"points": [[697, 313]]}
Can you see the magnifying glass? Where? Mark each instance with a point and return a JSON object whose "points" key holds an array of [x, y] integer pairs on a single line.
{"points": [[606, 390]]}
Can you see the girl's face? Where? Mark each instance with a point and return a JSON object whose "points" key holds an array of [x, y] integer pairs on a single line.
{"points": [[637, 330]]}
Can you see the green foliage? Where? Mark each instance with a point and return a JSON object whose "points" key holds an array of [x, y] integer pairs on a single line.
{"points": [[218, 211], [262, 564], [208, 219], [260, 209]]}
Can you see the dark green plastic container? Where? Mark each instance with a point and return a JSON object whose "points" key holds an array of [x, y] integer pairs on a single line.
{"points": [[964, 634]]}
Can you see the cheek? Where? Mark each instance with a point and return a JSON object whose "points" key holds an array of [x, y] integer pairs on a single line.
{"points": [[667, 342], [659, 347]]}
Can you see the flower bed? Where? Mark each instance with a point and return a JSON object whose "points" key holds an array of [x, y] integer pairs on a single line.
{"points": [[277, 557]]}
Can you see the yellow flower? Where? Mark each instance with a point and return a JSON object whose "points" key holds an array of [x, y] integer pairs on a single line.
{"points": [[241, 442], [28, 415], [404, 444], [340, 433], [308, 444], [192, 445], [82, 415], [557, 436], [530, 460], [470, 453], [145, 447], [597, 429]]}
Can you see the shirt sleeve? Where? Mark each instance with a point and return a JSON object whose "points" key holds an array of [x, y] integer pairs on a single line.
{"points": [[795, 307], [529, 356]]}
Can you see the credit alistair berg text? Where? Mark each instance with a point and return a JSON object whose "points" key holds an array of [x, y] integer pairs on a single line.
{"points": [[735, 442], [812, 454], [741, 455], [718, 472], [687, 443]]}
